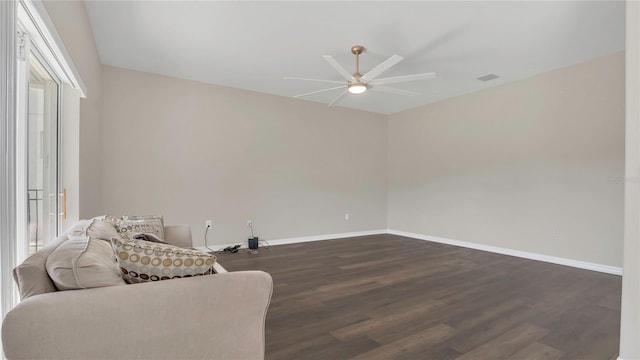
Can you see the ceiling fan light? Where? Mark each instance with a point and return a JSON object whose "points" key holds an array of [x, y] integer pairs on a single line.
{"points": [[357, 88]]}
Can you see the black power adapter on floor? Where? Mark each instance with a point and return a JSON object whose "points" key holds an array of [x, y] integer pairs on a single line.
{"points": [[232, 249]]}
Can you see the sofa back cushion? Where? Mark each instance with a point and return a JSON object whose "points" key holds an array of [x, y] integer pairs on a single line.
{"points": [[31, 276], [83, 262]]}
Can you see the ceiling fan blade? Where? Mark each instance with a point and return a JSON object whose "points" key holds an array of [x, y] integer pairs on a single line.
{"points": [[338, 67], [393, 90], [404, 78], [384, 66], [317, 80], [320, 91], [338, 98]]}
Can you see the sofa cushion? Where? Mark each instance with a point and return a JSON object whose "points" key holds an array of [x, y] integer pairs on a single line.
{"points": [[131, 225], [31, 276], [143, 261], [83, 262]]}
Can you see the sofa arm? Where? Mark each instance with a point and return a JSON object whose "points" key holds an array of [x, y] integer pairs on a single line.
{"points": [[219, 316]]}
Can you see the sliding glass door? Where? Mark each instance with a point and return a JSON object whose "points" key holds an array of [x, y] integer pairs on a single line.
{"points": [[37, 130], [39, 102], [42, 143]]}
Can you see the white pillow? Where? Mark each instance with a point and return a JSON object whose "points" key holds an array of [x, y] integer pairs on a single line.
{"points": [[96, 228], [83, 262]]}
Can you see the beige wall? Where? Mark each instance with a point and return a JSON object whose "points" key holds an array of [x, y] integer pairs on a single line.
{"points": [[630, 324], [193, 152], [536, 165], [72, 24]]}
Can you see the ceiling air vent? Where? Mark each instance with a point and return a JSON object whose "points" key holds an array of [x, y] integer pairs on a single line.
{"points": [[488, 77]]}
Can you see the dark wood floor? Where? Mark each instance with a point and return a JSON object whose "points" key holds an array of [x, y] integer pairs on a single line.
{"points": [[390, 297]]}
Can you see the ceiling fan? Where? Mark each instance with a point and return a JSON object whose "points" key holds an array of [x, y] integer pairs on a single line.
{"points": [[358, 84]]}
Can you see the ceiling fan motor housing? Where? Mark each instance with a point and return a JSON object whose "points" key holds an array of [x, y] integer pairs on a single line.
{"points": [[357, 49]]}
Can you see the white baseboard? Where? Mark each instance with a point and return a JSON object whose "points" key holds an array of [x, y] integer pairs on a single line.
{"points": [[523, 254], [325, 237], [302, 239], [494, 249], [619, 358]]}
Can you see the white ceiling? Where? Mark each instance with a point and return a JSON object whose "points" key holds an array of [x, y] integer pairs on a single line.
{"points": [[253, 45]]}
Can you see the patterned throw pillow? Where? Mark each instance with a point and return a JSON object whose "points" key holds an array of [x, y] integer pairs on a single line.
{"points": [[131, 225], [143, 261]]}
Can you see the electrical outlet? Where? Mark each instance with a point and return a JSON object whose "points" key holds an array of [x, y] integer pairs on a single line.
{"points": [[208, 223], [346, 216], [249, 222]]}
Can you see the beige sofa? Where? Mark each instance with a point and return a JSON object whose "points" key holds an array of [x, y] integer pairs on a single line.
{"points": [[217, 316]]}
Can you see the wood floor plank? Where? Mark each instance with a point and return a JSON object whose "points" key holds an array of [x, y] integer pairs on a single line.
{"points": [[385, 320], [368, 264], [403, 348], [537, 351], [581, 328], [389, 296], [491, 310], [507, 344], [471, 338]]}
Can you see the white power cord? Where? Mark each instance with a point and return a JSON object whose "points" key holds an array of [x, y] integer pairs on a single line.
{"points": [[206, 230]]}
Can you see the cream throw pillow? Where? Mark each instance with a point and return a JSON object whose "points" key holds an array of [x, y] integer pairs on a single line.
{"points": [[143, 261], [132, 225], [96, 228], [83, 262]]}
